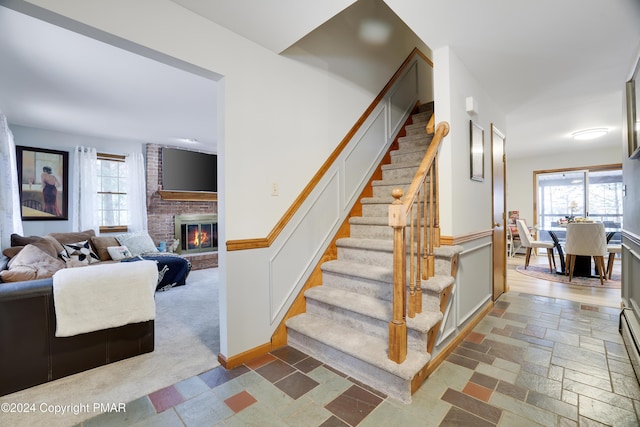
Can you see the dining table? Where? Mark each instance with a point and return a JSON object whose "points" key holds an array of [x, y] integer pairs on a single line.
{"points": [[583, 263]]}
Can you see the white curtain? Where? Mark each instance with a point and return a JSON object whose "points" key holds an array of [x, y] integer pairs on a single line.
{"points": [[136, 192], [10, 210], [85, 189]]}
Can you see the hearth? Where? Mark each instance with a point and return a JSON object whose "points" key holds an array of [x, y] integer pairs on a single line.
{"points": [[197, 233]]}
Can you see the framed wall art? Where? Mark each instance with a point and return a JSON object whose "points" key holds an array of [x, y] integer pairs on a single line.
{"points": [[44, 183], [633, 113], [477, 151]]}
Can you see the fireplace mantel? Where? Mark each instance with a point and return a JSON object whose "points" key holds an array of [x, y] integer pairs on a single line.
{"points": [[188, 196]]}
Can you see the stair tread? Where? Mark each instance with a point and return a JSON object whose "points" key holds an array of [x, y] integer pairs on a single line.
{"points": [[356, 344], [372, 307], [408, 150], [371, 244], [390, 181], [437, 283], [382, 200], [403, 165], [369, 220]]}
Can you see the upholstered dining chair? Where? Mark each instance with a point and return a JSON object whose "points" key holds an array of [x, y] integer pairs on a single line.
{"points": [[586, 239], [530, 243], [613, 250]]}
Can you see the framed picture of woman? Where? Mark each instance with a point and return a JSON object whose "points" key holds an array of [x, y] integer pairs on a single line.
{"points": [[44, 190]]}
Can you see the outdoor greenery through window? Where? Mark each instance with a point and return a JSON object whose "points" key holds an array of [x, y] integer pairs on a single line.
{"points": [[595, 193], [112, 192]]}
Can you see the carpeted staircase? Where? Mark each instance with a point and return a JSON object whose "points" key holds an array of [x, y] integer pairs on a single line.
{"points": [[346, 319]]}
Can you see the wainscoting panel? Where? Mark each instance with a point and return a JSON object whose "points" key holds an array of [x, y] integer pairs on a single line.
{"points": [[365, 156], [295, 253], [630, 319], [474, 279], [403, 98]]}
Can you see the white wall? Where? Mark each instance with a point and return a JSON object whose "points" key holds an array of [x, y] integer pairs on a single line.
{"points": [[465, 204], [520, 185], [62, 141]]}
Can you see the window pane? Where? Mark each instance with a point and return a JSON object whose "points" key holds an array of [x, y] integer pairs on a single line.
{"points": [[605, 197], [111, 179], [560, 195]]}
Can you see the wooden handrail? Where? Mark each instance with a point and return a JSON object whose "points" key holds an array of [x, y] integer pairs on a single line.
{"points": [[424, 235], [442, 130]]}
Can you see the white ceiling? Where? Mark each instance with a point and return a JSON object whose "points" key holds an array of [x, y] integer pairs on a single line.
{"points": [[54, 78], [553, 67]]}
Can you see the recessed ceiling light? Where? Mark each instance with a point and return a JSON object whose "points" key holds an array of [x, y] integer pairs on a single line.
{"points": [[189, 140], [590, 133]]}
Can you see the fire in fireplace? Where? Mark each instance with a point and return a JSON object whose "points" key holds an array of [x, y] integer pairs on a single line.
{"points": [[197, 233]]}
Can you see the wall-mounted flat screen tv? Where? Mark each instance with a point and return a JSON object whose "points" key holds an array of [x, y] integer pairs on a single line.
{"points": [[184, 170]]}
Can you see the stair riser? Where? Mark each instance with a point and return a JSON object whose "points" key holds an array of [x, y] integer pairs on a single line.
{"points": [[413, 142], [375, 288], [366, 231], [371, 231], [400, 173], [385, 259], [363, 256], [387, 190], [422, 117], [416, 129], [358, 369], [364, 324], [408, 157], [375, 210], [380, 210], [359, 285]]}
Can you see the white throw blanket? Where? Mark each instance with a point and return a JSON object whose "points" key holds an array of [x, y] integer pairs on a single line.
{"points": [[98, 297]]}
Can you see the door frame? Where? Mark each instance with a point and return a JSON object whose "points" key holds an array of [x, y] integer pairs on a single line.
{"points": [[498, 214]]}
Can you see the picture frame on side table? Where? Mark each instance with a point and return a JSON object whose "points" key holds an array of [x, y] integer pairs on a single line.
{"points": [[43, 176], [477, 151], [633, 113]]}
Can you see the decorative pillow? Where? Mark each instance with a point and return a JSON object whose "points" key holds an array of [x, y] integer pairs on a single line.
{"points": [[31, 263], [18, 240], [138, 242], [12, 251], [80, 253], [101, 243], [45, 244], [118, 252], [56, 245], [72, 237]]}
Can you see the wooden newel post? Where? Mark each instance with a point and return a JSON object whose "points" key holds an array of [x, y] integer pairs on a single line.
{"points": [[398, 325]]}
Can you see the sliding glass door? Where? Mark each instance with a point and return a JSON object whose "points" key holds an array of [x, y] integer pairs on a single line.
{"points": [[593, 193]]}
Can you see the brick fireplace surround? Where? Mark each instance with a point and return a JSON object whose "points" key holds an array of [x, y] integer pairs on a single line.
{"points": [[160, 212]]}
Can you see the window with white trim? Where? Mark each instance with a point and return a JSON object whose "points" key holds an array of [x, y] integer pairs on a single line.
{"points": [[112, 192]]}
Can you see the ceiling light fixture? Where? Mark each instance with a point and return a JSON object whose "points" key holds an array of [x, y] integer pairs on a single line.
{"points": [[589, 134], [189, 140]]}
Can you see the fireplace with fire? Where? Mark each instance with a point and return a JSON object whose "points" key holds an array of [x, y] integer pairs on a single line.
{"points": [[197, 233]]}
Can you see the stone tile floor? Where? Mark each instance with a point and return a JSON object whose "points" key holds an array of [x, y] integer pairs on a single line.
{"points": [[532, 361]]}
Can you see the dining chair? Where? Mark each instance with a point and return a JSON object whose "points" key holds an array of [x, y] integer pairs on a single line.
{"points": [[612, 250], [586, 239], [511, 251], [530, 243]]}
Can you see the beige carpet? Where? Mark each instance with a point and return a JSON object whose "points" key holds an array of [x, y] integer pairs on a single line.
{"points": [[187, 343]]}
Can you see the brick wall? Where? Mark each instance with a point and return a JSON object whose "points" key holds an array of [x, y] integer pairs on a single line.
{"points": [[160, 212]]}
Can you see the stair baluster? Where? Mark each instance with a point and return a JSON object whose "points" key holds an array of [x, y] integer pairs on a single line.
{"points": [[422, 258]]}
